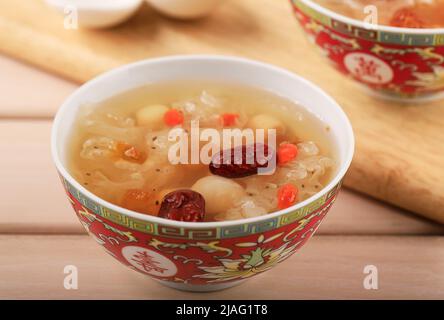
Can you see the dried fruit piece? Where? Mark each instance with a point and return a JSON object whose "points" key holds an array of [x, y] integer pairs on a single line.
{"points": [[130, 153], [406, 18], [286, 153], [241, 161], [173, 118], [229, 119], [287, 196], [136, 200], [183, 205]]}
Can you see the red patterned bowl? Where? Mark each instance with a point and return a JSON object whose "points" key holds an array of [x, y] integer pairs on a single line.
{"points": [[212, 255], [396, 63]]}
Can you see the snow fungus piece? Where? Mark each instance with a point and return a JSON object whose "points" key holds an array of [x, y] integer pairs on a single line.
{"points": [[308, 148]]}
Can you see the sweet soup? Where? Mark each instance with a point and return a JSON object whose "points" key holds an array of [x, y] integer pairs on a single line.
{"points": [[396, 13], [120, 150]]}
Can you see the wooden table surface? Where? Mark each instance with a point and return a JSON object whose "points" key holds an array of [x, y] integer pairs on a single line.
{"points": [[39, 234]]}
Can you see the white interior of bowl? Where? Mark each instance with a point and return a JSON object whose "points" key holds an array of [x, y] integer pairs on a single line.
{"points": [[361, 24], [213, 68]]}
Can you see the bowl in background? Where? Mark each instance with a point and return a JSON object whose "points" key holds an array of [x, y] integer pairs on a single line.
{"points": [[396, 63], [97, 14], [209, 255], [185, 9]]}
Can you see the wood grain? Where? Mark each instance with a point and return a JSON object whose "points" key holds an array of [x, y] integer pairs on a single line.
{"points": [[328, 267], [400, 148], [33, 200], [28, 92]]}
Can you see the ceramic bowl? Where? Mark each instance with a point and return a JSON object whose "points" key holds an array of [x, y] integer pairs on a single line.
{"points": [[96, 14], [185, 9], [210, 255], [395, 63]]}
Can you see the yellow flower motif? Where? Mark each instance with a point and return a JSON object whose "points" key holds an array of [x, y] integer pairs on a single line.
{"points": [[315, 27], [429, 80], [257, 261]]}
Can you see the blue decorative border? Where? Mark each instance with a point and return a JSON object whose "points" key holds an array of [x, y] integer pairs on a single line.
{"points": [[199, 234]]}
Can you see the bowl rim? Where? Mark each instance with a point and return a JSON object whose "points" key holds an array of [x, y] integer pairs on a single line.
{"points": [[336, 180], [363, 25]]}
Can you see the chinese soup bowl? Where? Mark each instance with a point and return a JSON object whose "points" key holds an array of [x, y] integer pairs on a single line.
{"points": [[395, 63], [202, 256]]}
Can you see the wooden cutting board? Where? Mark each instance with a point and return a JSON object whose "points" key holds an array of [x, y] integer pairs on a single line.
{"points": [[400, 148]]}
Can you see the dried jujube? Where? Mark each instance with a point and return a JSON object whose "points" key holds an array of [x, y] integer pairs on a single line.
{"points": [[241, 161], [183, 205]]}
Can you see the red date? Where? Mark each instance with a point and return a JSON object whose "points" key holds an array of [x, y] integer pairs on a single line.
{"points": [[241, 161], [183, 205]]}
